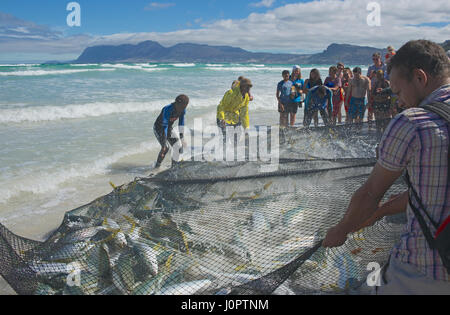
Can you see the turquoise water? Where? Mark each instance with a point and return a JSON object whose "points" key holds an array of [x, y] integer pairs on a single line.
{"points": [[66, 131]]}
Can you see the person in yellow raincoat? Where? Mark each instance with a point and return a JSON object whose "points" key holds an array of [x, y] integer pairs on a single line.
{"points": [[233, 109]]}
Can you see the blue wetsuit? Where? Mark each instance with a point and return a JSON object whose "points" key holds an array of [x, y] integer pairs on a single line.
{"points": [[314, 103], [164, 124]]}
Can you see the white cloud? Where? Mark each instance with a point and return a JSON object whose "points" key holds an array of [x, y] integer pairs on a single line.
{"points": [[312, 26], [157, 5], [301, 27], [263, 3]]}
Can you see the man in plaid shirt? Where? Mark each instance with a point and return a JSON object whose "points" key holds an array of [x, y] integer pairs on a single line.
{"points": [[417, 141]]}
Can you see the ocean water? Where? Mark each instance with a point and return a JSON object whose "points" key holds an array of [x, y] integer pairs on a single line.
{"points": [[67, 131]]}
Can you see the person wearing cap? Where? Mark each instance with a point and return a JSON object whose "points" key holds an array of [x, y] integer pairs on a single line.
{"points": [[236, 82], [164, 124], [233, 109]]}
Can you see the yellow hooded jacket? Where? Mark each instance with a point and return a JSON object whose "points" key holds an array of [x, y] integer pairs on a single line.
{"points": [[234, 108]]}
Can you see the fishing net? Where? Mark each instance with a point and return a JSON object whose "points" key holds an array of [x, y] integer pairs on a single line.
{"points": [[217, 228]]}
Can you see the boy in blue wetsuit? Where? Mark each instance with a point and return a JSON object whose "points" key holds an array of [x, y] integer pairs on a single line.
{"points": [[164, 124], [317, 100]]}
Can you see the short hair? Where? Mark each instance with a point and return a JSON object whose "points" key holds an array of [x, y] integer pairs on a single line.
{"points": [[182, 99], [377, 54], [285, 72], [421, 54], [340, 64], [322, 89], [357, 70], [333, 69]]}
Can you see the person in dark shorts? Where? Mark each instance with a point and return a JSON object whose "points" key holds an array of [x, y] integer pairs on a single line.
{"points": [[314, 80], [285, 104], [381, 95], [164, 124]]}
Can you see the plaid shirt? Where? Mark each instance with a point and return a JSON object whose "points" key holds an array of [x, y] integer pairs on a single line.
{"points": [[418, 141]]}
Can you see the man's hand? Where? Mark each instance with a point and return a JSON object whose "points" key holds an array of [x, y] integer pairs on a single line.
{"points": [[280, 107], [336, 236]]}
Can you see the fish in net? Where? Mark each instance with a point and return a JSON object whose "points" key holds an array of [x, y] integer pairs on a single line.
{"points": [[217, 228]]}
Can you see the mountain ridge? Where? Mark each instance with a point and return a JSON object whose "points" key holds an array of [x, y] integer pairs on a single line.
{"points": [[151, 51]]}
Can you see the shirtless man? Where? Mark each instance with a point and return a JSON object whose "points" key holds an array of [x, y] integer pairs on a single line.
{"points": [[359, 87]]}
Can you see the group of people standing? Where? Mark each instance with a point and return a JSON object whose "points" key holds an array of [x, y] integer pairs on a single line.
{"points": [[415, 141], [343, 86]]}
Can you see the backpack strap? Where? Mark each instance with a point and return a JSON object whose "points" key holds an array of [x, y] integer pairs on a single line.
{"points": [[443, 110]]}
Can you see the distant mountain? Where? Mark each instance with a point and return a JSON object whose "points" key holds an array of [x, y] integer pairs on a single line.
{"points": [[150, 51]]}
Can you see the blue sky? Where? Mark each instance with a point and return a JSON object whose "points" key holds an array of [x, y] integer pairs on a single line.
{"points": [[103, 17], [32, 30]]}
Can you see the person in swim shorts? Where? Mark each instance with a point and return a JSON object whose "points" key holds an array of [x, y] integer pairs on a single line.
{"points": [[359, 88]]}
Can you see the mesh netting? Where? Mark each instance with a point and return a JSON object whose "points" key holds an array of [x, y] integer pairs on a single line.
{"points": [[216, 228]]}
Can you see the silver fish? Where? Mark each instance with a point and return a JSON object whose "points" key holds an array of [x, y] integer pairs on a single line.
{"points": [[187, 288], [111, 224], [82, 235], [43, 289], [70, 252], [49, 270], [147, 256], [148, 287], [123, 274], [98, 261]]}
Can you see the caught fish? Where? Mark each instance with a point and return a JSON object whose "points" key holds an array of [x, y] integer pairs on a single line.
{"points": [[284, 289], [49, 270], [69, 252], [187, 288], [266, 186], [146, 256], [111, 224], [148, 287], [123, 275], [98, 261], [82, 235], [259, 222], [348, 271], [293, 247], [293, 216], [43, 289]]}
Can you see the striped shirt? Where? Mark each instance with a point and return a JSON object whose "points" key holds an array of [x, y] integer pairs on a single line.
{"points": [[418, 141]]}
